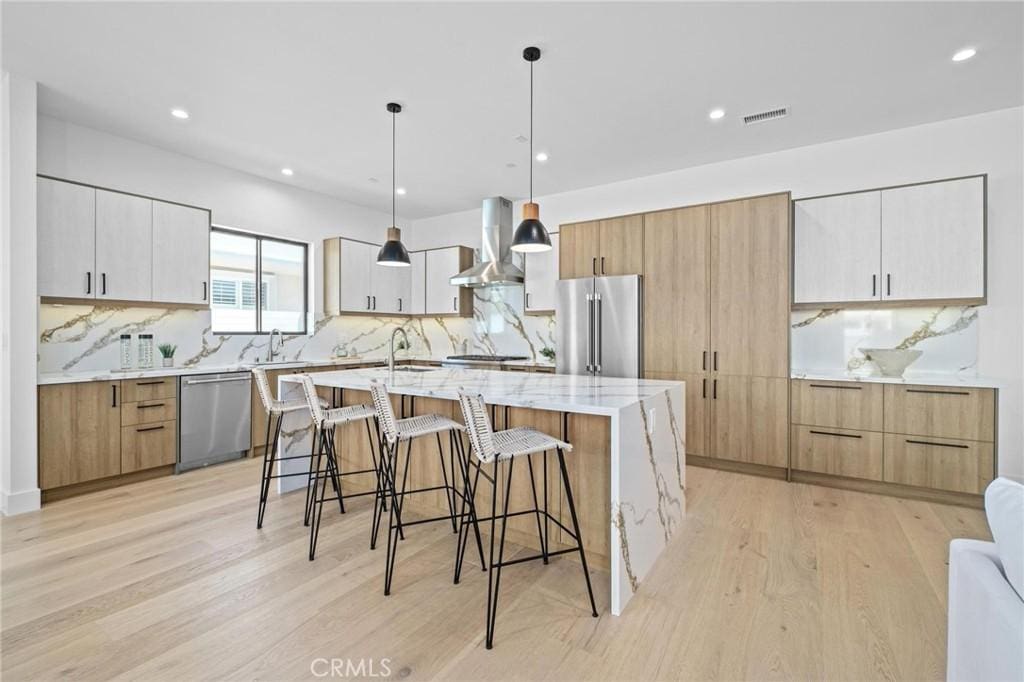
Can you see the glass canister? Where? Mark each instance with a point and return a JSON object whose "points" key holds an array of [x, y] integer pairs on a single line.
{"points": [[145, 350], [126, 351]]}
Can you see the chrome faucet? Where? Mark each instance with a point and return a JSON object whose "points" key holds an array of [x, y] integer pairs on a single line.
{"points": [[271, 353], [391, 347]]}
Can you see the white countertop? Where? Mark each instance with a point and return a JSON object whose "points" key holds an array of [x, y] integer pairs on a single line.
{"points": [[909, 378], [561, 392]]}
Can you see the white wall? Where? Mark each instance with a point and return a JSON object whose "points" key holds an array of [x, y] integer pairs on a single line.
{"points": [[990, 143], [19, 489], [237, 199]]}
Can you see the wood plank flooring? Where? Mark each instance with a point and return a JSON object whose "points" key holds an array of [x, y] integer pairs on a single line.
{"points": [[169, 579]]}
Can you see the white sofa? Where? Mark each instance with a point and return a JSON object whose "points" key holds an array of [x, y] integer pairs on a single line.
{"points": [[986, 594]]}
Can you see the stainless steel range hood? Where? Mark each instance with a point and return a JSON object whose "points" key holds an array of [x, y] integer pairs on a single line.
{"points": [[495, 266]]}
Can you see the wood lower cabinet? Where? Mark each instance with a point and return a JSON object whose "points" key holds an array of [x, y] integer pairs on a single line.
{"points": [[840, 452], [941, 411], [145, 446], [838, 404], [942, 463], [750, 420], [79, 432]]}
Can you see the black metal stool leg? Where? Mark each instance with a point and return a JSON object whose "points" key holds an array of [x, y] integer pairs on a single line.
{"points": [[334, 466], [321, 481], [396, 517], [495, 574], [315, 454], [536, 511], [447, 488], [576, 530], [268, 469]]}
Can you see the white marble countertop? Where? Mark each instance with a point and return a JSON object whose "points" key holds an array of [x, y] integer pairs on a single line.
{"points": [[561, 392], [909, 378]]}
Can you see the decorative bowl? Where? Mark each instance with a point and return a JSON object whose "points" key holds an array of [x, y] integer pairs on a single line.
{"points": [[891, 362]]}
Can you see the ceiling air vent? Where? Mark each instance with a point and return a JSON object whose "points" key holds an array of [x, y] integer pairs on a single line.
{"points": [[763, 116]]}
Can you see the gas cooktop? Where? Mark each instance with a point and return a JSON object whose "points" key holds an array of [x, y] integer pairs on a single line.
{"points": [[486, 358]]}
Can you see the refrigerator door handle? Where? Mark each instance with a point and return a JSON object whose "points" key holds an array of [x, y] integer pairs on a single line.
{"points": [[599, 333], [590, 333]]}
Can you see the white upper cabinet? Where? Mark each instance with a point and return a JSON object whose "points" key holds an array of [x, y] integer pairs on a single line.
{"points": [[124, 246], [357, 262], [837, 248], [541, 275], [390, 293], [417, 283], [66, 218], [441, 297], [933, 240], [181, 253]]}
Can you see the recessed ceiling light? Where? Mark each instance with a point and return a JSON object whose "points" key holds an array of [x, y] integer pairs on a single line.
{"points": [[400, 191], [964, 54], [542, 157], [287, 171], [510, 165], [373, 179], [716, 114], [179, 113]]}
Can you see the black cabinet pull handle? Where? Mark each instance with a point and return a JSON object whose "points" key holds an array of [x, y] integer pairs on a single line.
{"points": [[151, 428], [715, 361], [714, 389], [204, 290], [602, 265], [150, 383], [837, 435], [888, 284], [367, 302], [103, 279], [527, 299], [924, 390], [704, 388], [146, 407], [704, 360], [838, 388], [874, 285], [399, 304], [113, 395], [938, 445], [374, 302], [455, 303], [593, 265], [88, 282]]}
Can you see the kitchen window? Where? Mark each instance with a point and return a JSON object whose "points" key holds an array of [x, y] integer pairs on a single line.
{"points": [[238, 261]]}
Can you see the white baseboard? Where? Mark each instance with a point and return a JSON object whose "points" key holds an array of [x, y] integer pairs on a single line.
{"points": [[20, 502]]}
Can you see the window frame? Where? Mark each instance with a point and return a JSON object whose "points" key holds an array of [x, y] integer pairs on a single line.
{"points": [[259, 239]]}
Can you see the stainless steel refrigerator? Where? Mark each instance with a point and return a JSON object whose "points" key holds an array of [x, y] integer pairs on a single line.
{"points": [[599, 326]]}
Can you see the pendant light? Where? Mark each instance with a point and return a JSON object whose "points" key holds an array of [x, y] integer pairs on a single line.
{"points": [[530, 235], [393, 253]]}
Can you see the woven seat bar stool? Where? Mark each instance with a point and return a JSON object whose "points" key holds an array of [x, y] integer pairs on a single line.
{"points": [[395, 433], [493, 448], [326, 464]]}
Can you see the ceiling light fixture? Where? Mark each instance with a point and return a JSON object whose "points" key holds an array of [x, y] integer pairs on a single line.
{"points": [[287, 171], [393, 253], [716, 114], [400, 191], [964, 54], [179, 113], [531, 236], [542, 157]]}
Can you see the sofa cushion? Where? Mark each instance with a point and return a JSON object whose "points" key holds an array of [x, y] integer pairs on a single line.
{"points": [[1004, 507]]}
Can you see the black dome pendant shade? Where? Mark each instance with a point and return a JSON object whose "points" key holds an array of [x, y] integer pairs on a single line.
{"points": [[530, 236], [393, 253]]}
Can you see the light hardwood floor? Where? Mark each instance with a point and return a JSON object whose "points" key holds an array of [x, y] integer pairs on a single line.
{"points": [[169, 579]]}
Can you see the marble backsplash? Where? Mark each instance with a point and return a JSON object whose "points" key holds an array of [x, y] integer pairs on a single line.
{"points": [[86, 337], [831, 339]]}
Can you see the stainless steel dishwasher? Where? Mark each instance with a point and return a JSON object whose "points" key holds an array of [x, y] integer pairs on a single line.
{"points": [[214, 419]]}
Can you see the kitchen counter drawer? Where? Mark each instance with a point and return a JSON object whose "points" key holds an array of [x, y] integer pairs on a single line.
{"points": [[145, 446], [943, 463], [149, 411], [941, 412], [839, 452], [134, 390], [837, 404]]}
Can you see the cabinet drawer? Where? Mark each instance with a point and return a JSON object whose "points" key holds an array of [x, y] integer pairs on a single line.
{"points": [[942, 463], [148, 445], [149, 411], [941, 411], [840, 452], [837, 404], [134, 390]]}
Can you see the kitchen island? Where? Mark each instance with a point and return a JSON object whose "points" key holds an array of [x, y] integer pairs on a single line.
{"points": [[627, 466]]}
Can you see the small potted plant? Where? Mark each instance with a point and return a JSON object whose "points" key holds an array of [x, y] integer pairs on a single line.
{"points": [[548, 354], [167, 351]]}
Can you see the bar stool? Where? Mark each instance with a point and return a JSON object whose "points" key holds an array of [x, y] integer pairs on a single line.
{"points": [[492, 447], [325, 422], [397, 431], [276, 408]]}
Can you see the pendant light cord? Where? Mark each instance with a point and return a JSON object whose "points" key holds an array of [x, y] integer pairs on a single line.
{"points": [[394, 187], [531, 132]]}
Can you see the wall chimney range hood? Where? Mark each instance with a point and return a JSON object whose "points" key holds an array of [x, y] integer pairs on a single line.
{"points": [[495, 267]]}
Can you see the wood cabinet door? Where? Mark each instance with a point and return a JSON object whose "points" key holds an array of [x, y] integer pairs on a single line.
{"points": [[750, 286], [355, 262], [622, 246], [933, 240], [146, 446], [541, 275], [579, 248], [837, 248], [417, 304], [124, 246], [676, 298], [79, 432], [698, 397], [66, 224], [181, 254], [750, 419]]}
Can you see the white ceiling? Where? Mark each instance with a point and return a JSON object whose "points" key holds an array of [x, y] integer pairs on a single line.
{"points": [[623, 90]]}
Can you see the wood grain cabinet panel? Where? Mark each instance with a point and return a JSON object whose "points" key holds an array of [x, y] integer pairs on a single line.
{"points": [[153, 388], [676, 296], [940, 411], [149, 411], [579, 248], [840, 452], [750, 420], [146, 446], [698, 412], [750, 286], [79, 432], [622, 246], [839, 404], [946, 464]]}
